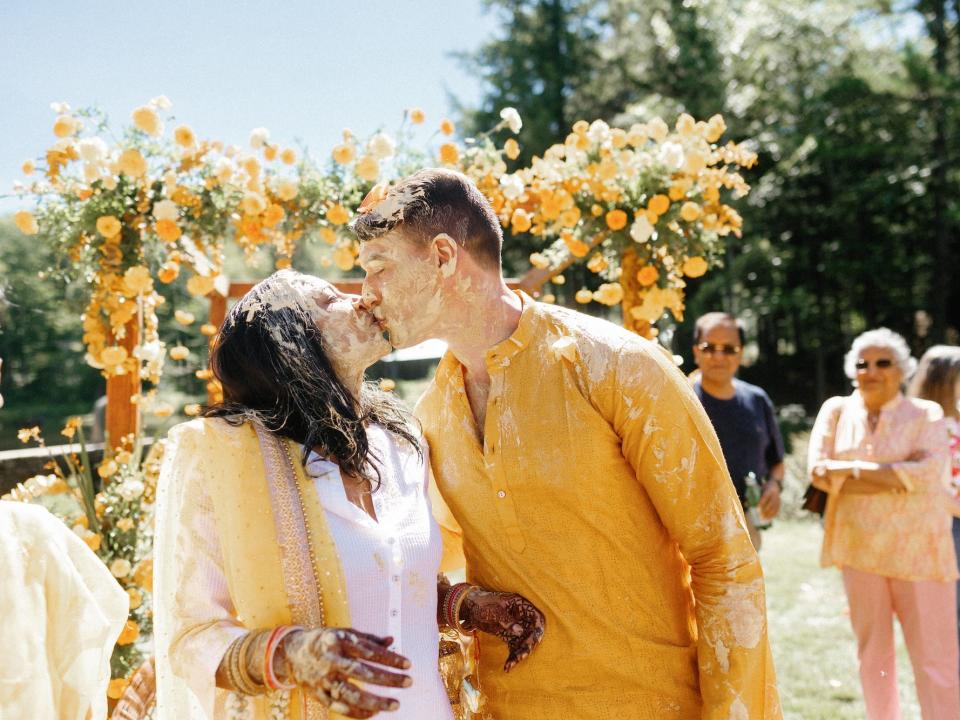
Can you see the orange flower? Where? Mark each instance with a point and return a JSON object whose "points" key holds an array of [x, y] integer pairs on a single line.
{"points": [[108, 226], [570, 218], [273, 215], [417, 116], [136, 598], [184, 136], [26, 222], [694, 267], [511, 148], [616, 219], [270, 153], [168, 272], [116, 687], [329, 235], [647, 275], [597, 263], [447, 127], [129, 634], [338, 215], [168, 230], [577, 248], [344, 154], [583, 296], [520, 221], [659, 204], [143, 574], [449, 154], [288, 157], [132, 164], [690, 211], [179, 352]]}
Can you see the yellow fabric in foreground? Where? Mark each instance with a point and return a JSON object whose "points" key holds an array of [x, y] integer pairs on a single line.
{"points": [[229, 461], [600, 493]]}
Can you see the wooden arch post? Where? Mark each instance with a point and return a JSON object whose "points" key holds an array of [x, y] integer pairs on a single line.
{"points": [[122, 414]]}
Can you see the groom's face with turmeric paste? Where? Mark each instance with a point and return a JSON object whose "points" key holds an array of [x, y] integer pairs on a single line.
{"points": [[402, 287]]}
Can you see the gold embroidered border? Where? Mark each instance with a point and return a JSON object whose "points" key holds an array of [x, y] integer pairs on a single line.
{"points": [[300, 575]]}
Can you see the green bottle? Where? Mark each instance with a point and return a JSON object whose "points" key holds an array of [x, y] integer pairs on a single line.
{"points": [[753, 501]]}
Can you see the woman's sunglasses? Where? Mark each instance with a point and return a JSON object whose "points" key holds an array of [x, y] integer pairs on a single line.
{"points": [[711, 348], [881, 364]]}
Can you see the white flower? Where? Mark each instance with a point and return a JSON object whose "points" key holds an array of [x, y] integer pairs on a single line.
{"points": [[511, 186], [641, 230], [259, 137], [120, 568], [381, 146], [512, 118], [166, 210], [93, 150], [130, 490], [60, 107], [599, 132], [91, 172], [671, 154], [149, 351], [657, 129], [161, 102]]}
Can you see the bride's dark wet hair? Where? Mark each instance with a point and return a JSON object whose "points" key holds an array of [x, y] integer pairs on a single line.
{"points": [[275, 371]]}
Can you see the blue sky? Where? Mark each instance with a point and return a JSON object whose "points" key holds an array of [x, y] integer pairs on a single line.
{"points": [[304, 70]]}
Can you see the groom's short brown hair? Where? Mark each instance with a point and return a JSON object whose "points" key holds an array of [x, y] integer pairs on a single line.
{"points": [[438, 201]]}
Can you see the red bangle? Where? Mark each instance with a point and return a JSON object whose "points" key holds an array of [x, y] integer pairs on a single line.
{"points": [[452, 601], [273, 642]]}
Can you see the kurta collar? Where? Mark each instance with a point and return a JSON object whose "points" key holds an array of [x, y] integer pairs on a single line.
{"points": [[885, 409]]}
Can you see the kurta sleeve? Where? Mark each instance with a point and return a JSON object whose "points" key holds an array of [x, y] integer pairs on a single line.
{"points": [[823, 435], [195, 617], [669, 441], [930, 472]]}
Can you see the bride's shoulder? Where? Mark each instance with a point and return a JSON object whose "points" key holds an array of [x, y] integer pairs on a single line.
{"points": [[220, 430]]}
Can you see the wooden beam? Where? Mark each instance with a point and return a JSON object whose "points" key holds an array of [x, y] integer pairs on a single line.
{"points": [[123, 415]]}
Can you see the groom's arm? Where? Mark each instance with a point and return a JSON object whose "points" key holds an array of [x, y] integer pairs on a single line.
{"points": [[668, 439]]}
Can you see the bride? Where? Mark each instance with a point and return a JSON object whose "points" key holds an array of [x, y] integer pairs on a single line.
{"points": [[296, 552]]}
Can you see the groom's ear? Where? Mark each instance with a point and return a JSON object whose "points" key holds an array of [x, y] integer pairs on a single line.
{"points": [[448, 253]]}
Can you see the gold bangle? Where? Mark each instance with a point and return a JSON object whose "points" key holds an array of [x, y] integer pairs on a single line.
{"points": [[239, 675], [456, 611]]}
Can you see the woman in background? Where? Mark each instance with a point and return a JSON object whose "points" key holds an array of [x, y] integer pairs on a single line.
{"points": [[882, 458]]}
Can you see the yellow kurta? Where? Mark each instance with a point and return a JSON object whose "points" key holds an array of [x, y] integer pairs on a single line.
{"points": [[600, 493]]}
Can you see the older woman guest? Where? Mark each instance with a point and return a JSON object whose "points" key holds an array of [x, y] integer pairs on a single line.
{"points": [[883, 460]]}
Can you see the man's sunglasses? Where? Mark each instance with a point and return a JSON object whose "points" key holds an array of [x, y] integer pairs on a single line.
{"points": [[711, 348], [881, 364]]}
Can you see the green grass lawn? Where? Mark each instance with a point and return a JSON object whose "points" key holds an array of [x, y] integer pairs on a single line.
{"points": [[813, 644]]}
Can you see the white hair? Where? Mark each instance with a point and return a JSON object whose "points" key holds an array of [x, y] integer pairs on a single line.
{"points": [[880, 338]]}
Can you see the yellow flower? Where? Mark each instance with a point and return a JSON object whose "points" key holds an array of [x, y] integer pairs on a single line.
{"points": [[511, 148], [168, 272], [270, 153], [65, 126], [129, 634], [108, 226], [25, 435], [690, 211], [711, 194], [179, 352], [387, 385], [647, 275], [338, 215], [449, 154], [112, 356], [106, 470], [344, 153], [183, 317], [143, 574], [616, 219], [168, 230], [569, 218], [93, 541], [191, 410], [520, 221], [329, 235], [184, 136], [26, 222], [716, 127], [286, 189], [136, 597], [417, 116], [539, 261], [577, 248], [116, 688], [694, 163], [343, 257], [253, 203], [162, 410], [609, 293], [200, 285], [368, 168], [447, 127], [686, 124], [659, 204], [558, 280], [208, 329], [146, 119], [28, 167], [597, 263], [137, 280], [132, 164], [273, 215], [694, 267], [583, 296], [125, 524], [288, 156]]}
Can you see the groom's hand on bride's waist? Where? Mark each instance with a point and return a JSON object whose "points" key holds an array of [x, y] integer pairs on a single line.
{"points": [[327, 662], [508, 616]]}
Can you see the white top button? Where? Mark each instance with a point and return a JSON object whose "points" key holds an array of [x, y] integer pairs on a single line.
{"points": [[501, 494]]}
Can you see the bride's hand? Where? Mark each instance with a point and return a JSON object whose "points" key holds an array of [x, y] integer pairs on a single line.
{"points": [[327, 662], [508, 616]]}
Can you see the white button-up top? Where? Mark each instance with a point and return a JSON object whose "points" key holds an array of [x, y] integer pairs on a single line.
{"points": [[390, 566]]}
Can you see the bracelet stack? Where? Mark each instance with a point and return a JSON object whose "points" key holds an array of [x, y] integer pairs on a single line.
{"points": [[237, 671], [273, 642], [452, 602]]}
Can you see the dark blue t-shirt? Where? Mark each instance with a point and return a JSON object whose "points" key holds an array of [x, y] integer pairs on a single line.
{"points": [[748, 431]]}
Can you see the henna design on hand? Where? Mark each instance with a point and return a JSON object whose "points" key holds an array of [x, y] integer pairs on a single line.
{"points": [[508, 616]]}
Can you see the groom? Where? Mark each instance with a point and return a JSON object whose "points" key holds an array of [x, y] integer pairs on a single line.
{"points": [[583, 473]]}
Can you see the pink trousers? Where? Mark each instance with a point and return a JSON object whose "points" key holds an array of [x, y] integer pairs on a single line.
{"points": [[927, 614]]}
